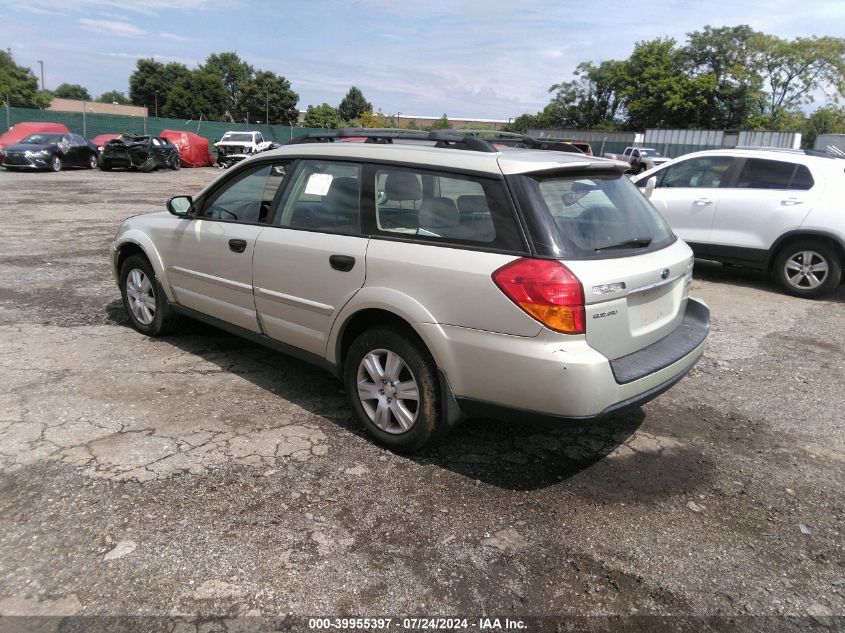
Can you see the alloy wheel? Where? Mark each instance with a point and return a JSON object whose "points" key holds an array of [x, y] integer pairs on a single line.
{"points": [[142, 300], [806, 270], [388, 391]]}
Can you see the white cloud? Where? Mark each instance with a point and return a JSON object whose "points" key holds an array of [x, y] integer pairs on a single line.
{"points": [[174, 37], [113, 27]]}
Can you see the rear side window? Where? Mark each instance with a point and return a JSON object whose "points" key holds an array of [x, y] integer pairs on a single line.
{"points": [[758, 173], [589, 215], [442, 207]]}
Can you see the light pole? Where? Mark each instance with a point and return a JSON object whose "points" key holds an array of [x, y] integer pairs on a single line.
{"points": [[42, 74], [398, 119], [156, 97], [267, 108]]}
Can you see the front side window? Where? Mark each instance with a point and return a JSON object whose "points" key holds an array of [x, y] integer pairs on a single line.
{"points": [[707, 172], [589, 215], [758, 173], [247, 199], [440, 207], [323, 196]]}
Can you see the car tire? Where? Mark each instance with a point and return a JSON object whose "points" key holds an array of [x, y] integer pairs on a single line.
{"points": [[391, 382], [56, 163], [143, 298], [175, 163], [92, 161], [808, 268]]}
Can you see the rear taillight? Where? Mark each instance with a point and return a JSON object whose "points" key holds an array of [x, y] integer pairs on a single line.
{"points": [[547, 290]]}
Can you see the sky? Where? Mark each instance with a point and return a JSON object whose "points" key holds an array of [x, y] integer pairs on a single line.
{"points": [[465, 58]]}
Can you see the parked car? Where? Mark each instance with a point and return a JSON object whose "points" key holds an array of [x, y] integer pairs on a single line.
{"points": [[436, 300], [53, 151], [236, 146], [20, 131], [640, 158], [144, 153], [774, 210]]}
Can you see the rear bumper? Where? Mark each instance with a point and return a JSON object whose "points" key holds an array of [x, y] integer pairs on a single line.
{"points": [[556, 377]]}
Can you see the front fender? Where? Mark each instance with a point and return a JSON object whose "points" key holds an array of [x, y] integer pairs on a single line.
{"points": [[141, 240]]}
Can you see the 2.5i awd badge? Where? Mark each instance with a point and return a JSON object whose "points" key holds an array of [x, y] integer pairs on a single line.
{"points": [[599, 315]]}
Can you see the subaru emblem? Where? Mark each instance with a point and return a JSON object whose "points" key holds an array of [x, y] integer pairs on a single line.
{"points": [[664, 273]]}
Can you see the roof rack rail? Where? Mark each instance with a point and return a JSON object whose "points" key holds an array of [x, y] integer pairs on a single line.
{"points": [[515, 139], [441, 138]]}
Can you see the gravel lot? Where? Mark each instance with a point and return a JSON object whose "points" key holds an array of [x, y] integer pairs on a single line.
{"points": [[200, 475]]}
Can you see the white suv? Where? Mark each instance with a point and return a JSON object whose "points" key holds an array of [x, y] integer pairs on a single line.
{"points": [[776, 210], [438, 280]]}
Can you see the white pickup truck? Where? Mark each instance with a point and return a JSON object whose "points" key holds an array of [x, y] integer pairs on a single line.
{"points": [[640, 158], [236, 146]]}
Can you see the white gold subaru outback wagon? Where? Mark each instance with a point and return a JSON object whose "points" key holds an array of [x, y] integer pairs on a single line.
{"points": [[440, 277]]}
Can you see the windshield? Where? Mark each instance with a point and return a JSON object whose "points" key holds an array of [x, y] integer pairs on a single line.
{"points": [[238, 138], [42, 139], [588, 215]]}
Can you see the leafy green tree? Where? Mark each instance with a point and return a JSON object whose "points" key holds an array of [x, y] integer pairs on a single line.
{"points": [[658, 92], [267, 94], [72, 91], [823, 121], [593, 100], [725, 53], [113, 96], [152, 81], [369, 120], [324, 116], [441, 124], [353, 105], [200, 94], [20, 85], [235, 74], [791, 71]]}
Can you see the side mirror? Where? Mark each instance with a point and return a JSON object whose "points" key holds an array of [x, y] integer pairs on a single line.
{"points": [[180, 206], [650, 184]]}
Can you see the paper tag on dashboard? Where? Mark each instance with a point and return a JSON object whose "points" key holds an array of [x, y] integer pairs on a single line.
{"points": [[318, 184]]}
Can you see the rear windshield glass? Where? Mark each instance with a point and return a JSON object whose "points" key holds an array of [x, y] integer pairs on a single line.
{"points": [[581, 215]]}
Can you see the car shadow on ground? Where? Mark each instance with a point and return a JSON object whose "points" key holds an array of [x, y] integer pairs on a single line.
{"points": [[707, 270], [513, 455]]}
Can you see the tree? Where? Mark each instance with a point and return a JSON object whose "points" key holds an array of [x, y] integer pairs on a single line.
{"points": [[200, 94], [113, 96], [19, 85], [324, 116], [268, 95], [441, 124], [593, 100], [792, 71], [353, 105], [657, 91], [823, 121], [369, 120], [725, 53], [235, 74], [72, 91], [152, 81]]}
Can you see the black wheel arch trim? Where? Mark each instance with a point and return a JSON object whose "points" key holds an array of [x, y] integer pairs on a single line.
{"points": [[802, 234]]}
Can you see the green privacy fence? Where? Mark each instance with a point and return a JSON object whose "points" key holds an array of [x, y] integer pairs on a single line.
{"points": [[90, 124]]}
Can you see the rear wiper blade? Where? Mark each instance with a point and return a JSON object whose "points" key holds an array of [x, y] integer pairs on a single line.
{"points": [[637, 242]]}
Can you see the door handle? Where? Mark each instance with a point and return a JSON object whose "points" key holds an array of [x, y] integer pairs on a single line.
{"points": [[343, 263], [702, 201], [237, 246], [789, 202]]}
